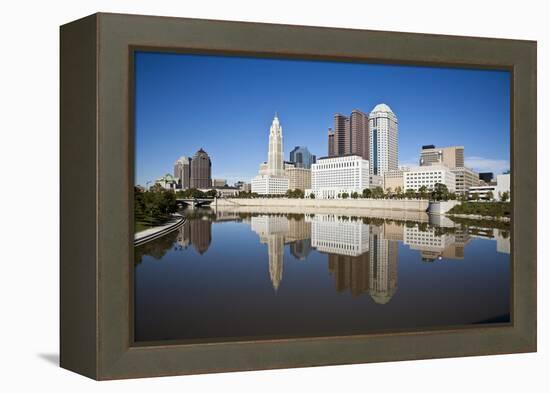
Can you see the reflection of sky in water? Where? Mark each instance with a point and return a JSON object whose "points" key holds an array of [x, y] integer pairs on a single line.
{"points": [[289, 276]]}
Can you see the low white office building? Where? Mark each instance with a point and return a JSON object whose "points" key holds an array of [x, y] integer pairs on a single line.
{"points": [[501, 186], [429, 176], [482, 192], [270, 185], [333, 176]]}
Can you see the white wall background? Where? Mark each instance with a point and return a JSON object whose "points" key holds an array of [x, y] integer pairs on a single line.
{"points": [[29, 170]]}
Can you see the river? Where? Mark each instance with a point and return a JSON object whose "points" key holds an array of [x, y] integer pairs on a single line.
{"points": [[243, 275]]}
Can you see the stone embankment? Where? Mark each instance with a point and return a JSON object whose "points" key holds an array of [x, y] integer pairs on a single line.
{"points": [[416, 205]]}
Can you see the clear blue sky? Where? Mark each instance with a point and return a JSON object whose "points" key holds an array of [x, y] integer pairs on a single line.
{"points": [[226, 104]]}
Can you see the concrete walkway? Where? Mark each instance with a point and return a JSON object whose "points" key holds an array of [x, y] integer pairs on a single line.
{"points": [[153, 233]]}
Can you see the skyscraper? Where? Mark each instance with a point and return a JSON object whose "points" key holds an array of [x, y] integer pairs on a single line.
{"points": [[271, 179], [301, 157], [275, 154], [182, 171], [350, 135], [201, 170], [359, 134], [382, 140], [331, 148], [341, 135]]}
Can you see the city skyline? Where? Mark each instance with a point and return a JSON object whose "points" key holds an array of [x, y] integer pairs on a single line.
{"points": [[175, 115]]}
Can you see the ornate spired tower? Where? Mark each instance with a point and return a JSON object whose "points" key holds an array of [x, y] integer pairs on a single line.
{"points": [[275, 155], [271, 179]]}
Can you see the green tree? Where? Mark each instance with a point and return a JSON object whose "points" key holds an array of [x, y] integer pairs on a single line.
{"points": [[156, 188], [377, 192], [354, 195], [440, 192], [211, 193], [312, 196], [423, 191], [154, 206], [345, 195], [410, 194], [504, 196], [475, 196], [297, 193], [399, 192], [489, 196], [367, 193]]}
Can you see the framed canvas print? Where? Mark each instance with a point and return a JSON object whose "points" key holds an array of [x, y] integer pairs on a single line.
{"points": [[241, 196]]}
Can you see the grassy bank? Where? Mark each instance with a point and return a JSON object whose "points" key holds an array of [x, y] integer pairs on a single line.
{"points": [[153, 207], [141, 222], [487, 209]]}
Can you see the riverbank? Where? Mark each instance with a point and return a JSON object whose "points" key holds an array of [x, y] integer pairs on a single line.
{"points": [[153, 233], [407, 205], [478, 217], [403, 215], [482, 211]]}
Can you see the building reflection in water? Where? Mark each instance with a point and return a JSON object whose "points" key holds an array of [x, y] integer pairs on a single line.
{"points": [[360, 258], [383, 266], [350, 273], [433, 244], [184, 235], [363, 258], [300, 249], [339, 235], [196, 232], [362, 253], [438, 243], [275, 231]]}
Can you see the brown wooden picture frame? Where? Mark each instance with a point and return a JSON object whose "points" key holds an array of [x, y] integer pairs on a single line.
{"points": [[97, 184]]}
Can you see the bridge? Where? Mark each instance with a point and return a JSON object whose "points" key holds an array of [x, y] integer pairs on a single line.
{"points": [[194, 202]]}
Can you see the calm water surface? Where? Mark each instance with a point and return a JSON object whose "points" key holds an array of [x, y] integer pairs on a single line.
{"points": [[254, 275]]}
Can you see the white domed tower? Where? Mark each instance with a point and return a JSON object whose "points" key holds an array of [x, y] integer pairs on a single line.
{"points": [[383, 140]]}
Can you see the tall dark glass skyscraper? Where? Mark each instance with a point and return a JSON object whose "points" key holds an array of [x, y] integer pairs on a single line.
{"points": [[301, 157], [201, 170], [350, 135]]}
